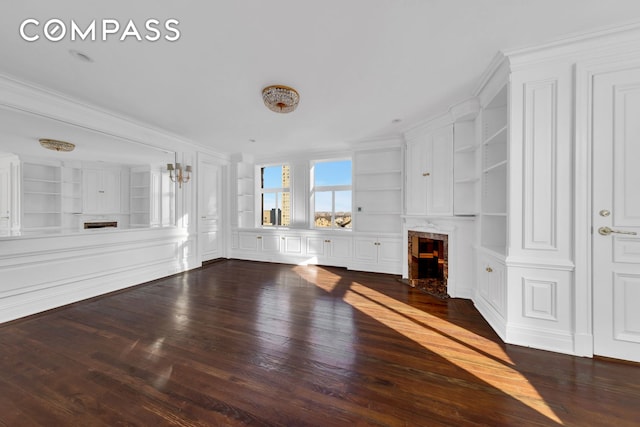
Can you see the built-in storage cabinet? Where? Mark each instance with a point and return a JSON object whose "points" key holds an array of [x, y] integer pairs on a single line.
{"points": [[368, 252], [430, 172], [145, 193], [334, 250], [372, 253], [41, 196], [101, 190], [378, 190], [494, 221], [492, 284]]}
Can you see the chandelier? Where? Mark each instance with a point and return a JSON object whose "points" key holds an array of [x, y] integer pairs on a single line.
{"points": [[54, 144], [281, 99]]}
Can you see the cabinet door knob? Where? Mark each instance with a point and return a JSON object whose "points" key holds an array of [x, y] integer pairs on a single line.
{"points": [[426, 174], [489, 269]]}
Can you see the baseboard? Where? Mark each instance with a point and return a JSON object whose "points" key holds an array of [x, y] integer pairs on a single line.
{"points": [[541, 339]]}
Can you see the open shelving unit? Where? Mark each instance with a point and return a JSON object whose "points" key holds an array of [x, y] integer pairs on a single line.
{"points": [[41, 196], [465, 170], [71, 196], [245, 195], [377, 188], [493, 224], [140, 193]]}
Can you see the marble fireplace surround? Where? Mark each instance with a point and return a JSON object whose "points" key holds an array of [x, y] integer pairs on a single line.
{"points": [[437, 285], [450, 229]]}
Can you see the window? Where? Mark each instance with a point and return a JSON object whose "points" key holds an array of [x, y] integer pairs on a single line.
{"points": [[331, 194], [275, 195]]}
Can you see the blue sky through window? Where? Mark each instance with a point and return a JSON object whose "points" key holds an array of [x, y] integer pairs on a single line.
{"points": [[272, 176], [333, 173]]}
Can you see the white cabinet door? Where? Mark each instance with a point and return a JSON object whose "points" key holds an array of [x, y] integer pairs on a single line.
{"points": [[616, 214], [366, 249], [390, 250], [91, 187], [430, 173], [316, 246], [101, 191], [111, 191], [416, 190], [440, 169], [291, 245], [492, 283]]}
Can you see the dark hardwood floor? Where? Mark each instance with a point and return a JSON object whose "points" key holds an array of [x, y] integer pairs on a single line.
{"points": [[245, 343]]}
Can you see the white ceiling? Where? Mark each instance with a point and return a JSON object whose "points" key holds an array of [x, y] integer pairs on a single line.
{"points": [[358, 64]]}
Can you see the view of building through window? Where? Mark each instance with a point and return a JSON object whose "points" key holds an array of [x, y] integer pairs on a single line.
{"points": [[331, 194], [276, 198]]}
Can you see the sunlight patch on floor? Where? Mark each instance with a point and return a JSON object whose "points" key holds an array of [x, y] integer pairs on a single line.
{"points": [[496, 370]]}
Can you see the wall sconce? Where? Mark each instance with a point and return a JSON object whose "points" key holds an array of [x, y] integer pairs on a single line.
{"points": [[179, 177]]}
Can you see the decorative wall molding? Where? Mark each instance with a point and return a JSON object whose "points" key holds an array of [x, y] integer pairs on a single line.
{"points": [[540, 165], [42, 273], [540, 299]]}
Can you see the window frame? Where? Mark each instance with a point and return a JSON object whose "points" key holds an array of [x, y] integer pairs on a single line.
{"points": [[313, 189], [261, 191]]}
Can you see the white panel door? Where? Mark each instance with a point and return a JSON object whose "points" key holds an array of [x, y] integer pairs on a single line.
{"points": [[208, 198], [5, 198], [616, 214]]}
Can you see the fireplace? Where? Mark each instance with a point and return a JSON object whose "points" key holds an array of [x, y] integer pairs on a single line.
{"points": [[428, 258]]}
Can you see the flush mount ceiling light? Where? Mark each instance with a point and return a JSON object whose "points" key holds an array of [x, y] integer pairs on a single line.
{"points": [[80, 56], [281, 99], [55, 145]]}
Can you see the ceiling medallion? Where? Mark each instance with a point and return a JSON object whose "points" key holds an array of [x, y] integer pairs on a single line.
{"points": [[55, 145], [281, 99]]}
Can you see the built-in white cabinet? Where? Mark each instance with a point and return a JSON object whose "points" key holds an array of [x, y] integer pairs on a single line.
{"points": [[101, 190], [374, 253], [334, 250], [491, 276], [368, 252], [429, 174]]}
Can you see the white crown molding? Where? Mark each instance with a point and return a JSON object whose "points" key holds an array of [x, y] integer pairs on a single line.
{"points": [[25, 97], [464, 110], [377, 143], [599, 43]]}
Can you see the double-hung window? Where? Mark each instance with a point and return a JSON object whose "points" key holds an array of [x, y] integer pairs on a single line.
{"points": [[275, 195], [331, 194]]}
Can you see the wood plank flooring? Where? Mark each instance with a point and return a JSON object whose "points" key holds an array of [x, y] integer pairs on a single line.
{"points": [[247, 343]]}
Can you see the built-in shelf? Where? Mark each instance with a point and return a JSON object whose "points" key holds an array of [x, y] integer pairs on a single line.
{"points": [[495, 166], [494, 218], [377, 190]]}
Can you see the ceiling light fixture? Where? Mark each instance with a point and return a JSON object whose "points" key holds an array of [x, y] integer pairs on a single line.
{"points": [[56, 145], [80, 56], [281, 99]]}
